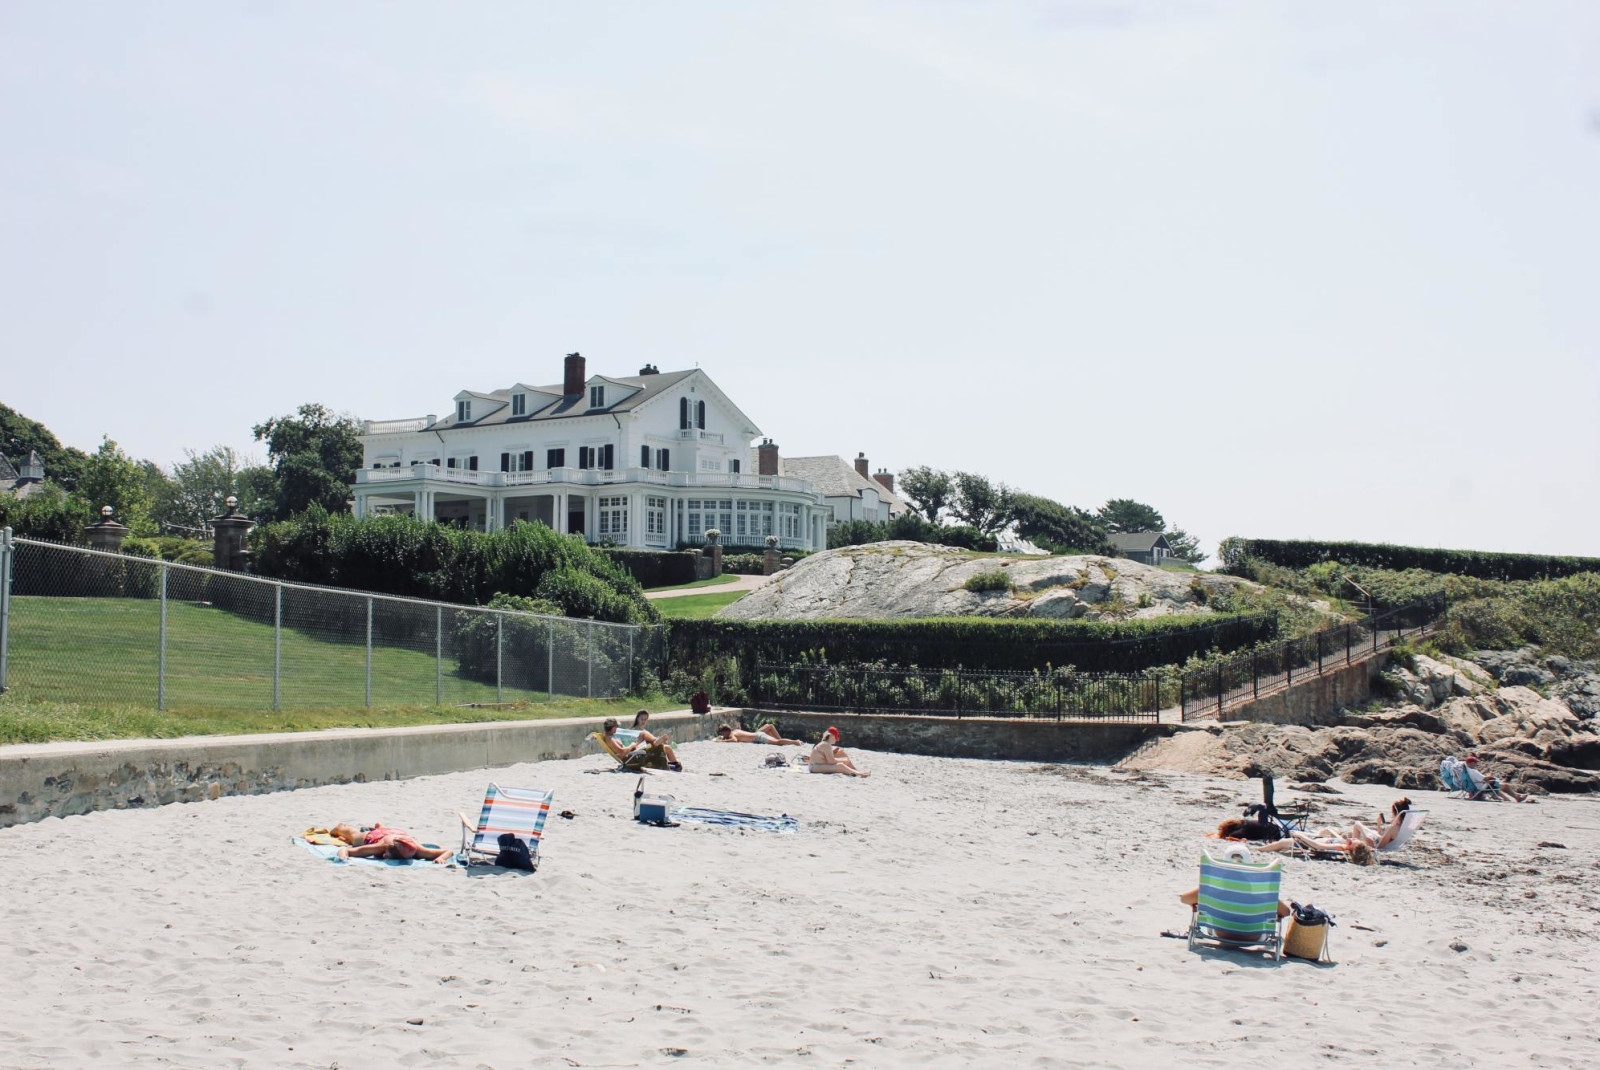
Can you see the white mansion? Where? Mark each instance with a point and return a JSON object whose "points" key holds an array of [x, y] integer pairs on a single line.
{"points": [[650, 460]]}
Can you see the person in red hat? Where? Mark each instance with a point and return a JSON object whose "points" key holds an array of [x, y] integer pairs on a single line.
{"points": [[828, 757], [1488, 787]]}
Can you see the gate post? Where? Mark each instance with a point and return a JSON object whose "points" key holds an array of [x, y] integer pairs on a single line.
{"points": [[161, 659]]}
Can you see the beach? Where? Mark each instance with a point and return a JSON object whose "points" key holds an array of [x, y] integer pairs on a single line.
{"points": [[944, 912]]}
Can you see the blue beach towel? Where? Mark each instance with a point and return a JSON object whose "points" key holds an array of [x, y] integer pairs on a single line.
{"points": [[733, 819], [330, 853]]}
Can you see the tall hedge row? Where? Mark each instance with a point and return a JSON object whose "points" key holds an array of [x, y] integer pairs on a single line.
{"points": [[972, 643], [655, 568], [421, 559], [1482, 564]]}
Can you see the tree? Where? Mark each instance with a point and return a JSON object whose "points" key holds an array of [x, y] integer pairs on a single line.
{"points": [[928, 490], [1121, 515], [984, 505], [1056, 527], [18, 434], [198, 487], [111, 477], [314, 455], [1185, 547]]}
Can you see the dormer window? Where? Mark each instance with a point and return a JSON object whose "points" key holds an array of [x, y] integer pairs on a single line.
{"points": [[519, 404], [463, 411], [597, 397]]}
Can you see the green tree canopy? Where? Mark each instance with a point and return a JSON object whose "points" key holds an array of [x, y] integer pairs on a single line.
{"points": [[111, 477], [1127, 515], [1056, 527], [18, 434], [1185, 546], [198, 486], [929, 491], [314, 455], [981, 503]]}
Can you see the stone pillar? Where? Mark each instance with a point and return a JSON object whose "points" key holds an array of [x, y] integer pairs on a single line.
{"points": [[713, 551], [769, 560], [107, 535], [228, 535]]}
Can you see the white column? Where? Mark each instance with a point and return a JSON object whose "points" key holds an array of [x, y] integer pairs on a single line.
{"points": [[636, 533]]}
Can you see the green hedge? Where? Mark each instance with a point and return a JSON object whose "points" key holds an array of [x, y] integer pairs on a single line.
{"points": [[911, 527], [1294, 553], [973, 643], [655, 568], [421, 559]]}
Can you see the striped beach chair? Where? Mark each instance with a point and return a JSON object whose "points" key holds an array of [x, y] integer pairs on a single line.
{"points": [[518, 811], [1238, 906]]}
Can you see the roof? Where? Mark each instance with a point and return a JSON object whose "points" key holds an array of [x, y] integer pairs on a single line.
{"points": [[1138, 542], [835, 477], [8, 475], [642, 388]]}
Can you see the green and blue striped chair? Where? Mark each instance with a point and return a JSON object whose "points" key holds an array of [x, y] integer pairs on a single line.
{"points": [[1238, 905]]}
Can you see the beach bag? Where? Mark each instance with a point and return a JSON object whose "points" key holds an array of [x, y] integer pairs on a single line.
{"points": [[513, 854], [1307, 937]]}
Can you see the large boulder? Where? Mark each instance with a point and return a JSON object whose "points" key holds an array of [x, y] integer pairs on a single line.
{"points": [[912, 579]]}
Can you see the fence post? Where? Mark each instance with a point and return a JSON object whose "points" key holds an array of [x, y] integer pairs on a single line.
{"points": [[438, 655], [588, 686], [550, 664], [5, 601], [277, 647], [1347, 644], [1319, 653], [1255, 677], [369, 652], [499, 657], [1183, 697], [630, 662], [1372, 620], [161, 658], [1219, 689]]}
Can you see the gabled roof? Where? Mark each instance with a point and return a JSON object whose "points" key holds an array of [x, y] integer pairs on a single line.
{"points": [[1138, 542], [834, 477], [8, 475], [641, 389]]}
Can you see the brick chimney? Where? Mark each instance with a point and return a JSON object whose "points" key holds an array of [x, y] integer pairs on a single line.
{"points": [[862, 467], [886, 478], [572, 382], [767, 458], [649, 369]]}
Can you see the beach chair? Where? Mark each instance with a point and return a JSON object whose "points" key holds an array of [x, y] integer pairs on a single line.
{"points": [[1453, 775], [648, 758], [518, 811], [1238, 906], [1410, 822]]}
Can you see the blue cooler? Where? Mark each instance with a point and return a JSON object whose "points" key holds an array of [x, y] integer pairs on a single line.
{"points": [[651, 808]]}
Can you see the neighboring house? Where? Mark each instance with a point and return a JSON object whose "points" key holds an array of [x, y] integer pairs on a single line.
{"points": [[845, 488], [22, 481], [648, 460], [1150, 547]]}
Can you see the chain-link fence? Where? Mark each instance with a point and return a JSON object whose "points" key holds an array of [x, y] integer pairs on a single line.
{"points": [[80, 625]]}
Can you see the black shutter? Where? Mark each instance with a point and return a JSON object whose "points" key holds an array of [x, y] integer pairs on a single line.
{"points": [[583, 456], [700, 415], [608, 456], [505, 462], [450, 463], [527, 460], [683, 412], [472, 462], [666, 460], [644, 456]]}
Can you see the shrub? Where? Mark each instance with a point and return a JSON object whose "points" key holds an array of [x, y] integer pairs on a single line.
{"points": [[1292, 553], [911, 528], [656, 568], [49, 514], [742, 564], [992, 580]]}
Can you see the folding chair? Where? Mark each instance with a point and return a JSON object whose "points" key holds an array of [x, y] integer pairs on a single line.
{"points": [[1238, 906], [646, 758], [521, 812]]}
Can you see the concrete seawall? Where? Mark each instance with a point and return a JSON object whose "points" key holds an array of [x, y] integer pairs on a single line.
{"points": [[39, 780], [1314, 700], [970, 737]]}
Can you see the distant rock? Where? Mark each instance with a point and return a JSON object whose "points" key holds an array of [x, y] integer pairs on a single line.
{"points": [[912, 579]]}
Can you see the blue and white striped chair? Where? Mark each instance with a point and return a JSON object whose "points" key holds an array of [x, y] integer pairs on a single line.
{"points": [[1238, 905], [519, 811]]}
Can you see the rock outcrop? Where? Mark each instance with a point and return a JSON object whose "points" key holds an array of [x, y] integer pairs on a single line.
{"points": [[912, 579]]}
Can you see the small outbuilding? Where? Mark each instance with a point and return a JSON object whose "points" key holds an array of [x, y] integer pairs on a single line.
{"points": [[1147, 547]]}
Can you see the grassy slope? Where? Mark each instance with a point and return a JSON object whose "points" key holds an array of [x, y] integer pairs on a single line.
{"points": [[696, 606]]}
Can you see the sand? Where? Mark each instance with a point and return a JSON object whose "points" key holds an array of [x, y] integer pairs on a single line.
{"points": [[942, 913]]}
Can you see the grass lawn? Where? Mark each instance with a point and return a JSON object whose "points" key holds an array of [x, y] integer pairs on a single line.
{"points": [[30, 720], [714, 581], [102, 653], [696, 606]]}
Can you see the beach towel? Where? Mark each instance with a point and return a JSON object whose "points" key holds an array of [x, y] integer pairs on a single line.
{"points": [[734, 819], [330, 853], [322, 837]]}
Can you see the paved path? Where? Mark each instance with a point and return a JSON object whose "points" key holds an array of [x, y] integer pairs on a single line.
{"points": [[740, 583]]}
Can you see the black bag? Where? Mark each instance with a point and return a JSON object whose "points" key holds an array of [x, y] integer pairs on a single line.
{"points": [[513, 853]]}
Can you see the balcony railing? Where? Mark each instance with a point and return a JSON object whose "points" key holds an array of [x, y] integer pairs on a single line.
{"points": [[694, 434], [583, 477]]}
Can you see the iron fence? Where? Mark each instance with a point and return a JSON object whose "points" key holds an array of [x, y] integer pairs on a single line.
{"points": [[80, 625], [1055, 695], [1209, 691]]}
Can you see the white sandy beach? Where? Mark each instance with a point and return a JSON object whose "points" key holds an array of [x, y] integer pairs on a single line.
{"points": [[942, 913]]}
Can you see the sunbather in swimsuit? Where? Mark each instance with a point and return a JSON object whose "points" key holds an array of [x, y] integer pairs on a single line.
{"points": [[383, 842]]}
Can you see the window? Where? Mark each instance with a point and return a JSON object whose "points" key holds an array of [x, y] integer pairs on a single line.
{"points": [[601, 457], [555, 458], [710, 464], [463, 411], [664, 460], [789, 521], [519, 404], [700, 415], [597, 397], [683, 414], [733, 466], [517, 462], [613, 516], [655, 517]]}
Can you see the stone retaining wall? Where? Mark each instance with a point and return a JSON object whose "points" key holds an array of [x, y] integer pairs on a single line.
{"points": [[39, 780], [969, 737]]}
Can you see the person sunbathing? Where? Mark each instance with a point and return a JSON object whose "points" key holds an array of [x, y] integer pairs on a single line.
{"points": [[381, 841], [767, 733], [639, 747], [1488, 787], [828, 757], [1250, 828], [1358, 842]]}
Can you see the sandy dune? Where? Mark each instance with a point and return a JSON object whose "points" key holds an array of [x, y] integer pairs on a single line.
{"points": [[944, 913]]}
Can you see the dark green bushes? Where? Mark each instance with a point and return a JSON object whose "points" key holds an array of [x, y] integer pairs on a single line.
{"points": [[656, 568], [49, 514], [418, 559], [1291, 553], [993, 580], [910, 527]]}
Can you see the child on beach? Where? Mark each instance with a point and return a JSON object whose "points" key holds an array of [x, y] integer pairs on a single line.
{"points": [[827, 757], [383, 842]]}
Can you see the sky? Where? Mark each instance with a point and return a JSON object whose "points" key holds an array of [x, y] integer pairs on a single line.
{"points": [[1283, 270]]}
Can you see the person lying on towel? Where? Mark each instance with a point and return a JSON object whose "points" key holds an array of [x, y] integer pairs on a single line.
{"points": [[383, 842], [767, 733]]}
